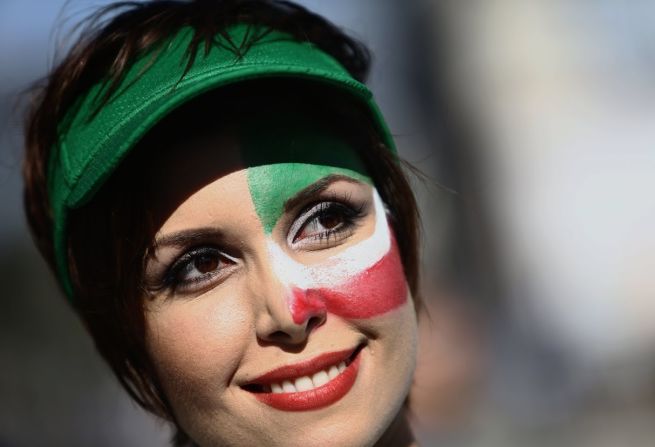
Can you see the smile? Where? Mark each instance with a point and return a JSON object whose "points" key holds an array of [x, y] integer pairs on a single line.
{"points": [[308, 385]]}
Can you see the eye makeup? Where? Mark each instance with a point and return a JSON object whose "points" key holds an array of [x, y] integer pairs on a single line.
{"points": [[197, 267], [189, 261], [326, 223], [195, 260]]}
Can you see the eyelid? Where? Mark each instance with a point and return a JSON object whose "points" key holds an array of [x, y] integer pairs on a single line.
{"points": [[317, 189], [200, 249], [309, 213], [167, 279], [352, 214]]}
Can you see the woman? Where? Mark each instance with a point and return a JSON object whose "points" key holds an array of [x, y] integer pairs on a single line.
{"points": [[219, 197]]}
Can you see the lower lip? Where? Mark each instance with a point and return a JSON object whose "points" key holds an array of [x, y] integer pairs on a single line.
{"points": [[317, 398]]}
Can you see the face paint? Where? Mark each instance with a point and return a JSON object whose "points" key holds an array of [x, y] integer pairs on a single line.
{"points": [[362, 281], [286, 154], [271, 186], [372, 292]]}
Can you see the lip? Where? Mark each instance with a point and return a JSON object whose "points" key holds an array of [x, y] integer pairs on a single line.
{"points": [[305, 368], [316, 398]]}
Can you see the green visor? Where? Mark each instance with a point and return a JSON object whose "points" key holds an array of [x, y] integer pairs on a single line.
{"points": [[92, 142]]}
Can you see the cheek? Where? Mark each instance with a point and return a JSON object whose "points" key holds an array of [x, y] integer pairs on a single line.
{"points": [[372, 292], [195, 346]]}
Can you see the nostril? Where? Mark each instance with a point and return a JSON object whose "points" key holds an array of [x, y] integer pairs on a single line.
{"points": [[314, 322], [304, 312], [296, 333], [280, 335]]}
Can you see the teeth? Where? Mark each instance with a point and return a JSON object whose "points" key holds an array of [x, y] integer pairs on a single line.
{"points": [[307, 383], [320, 378], [288, 387], [304, 383]]}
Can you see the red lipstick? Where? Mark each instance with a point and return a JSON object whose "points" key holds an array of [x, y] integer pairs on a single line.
{"points": [[318, 397]]}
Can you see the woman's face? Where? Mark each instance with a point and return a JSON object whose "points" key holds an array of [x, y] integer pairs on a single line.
{"points": [[278, 311]]}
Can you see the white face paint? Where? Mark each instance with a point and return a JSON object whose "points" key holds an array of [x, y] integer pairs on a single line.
{"points": [[337, 269]]}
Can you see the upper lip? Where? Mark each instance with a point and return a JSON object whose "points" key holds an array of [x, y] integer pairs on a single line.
{"points": [[305, 368]]}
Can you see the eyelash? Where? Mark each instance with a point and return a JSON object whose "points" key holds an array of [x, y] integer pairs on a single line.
{"points": [[342, 207], [188, 260]]}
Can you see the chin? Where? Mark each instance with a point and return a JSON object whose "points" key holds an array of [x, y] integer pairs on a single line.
{"points": [[371, 409]]}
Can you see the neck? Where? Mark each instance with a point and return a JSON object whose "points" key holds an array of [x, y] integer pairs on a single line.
{"points": [[398, 434]]}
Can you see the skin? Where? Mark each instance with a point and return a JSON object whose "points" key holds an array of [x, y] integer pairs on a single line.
{"points": [[275, 295]]}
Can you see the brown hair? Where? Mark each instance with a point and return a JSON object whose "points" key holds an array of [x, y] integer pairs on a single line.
{"points": [[108, 237]]}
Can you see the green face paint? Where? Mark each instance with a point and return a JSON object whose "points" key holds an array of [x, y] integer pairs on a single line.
{"points": [[286, 154]]}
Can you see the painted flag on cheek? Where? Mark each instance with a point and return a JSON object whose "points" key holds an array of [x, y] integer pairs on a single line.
{"points": [[361, 281]]}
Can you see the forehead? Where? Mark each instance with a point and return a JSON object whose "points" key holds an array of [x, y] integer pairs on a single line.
{"points": [[281, 152]]}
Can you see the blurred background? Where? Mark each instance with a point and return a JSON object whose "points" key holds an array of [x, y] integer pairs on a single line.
{"points": [[531, 122]]}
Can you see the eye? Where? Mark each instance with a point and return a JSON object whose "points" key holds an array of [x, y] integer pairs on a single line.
{"points": [[198, 267], [324, 225]]}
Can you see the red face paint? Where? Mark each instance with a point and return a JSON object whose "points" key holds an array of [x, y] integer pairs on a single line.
{"points": [[372, 292]]}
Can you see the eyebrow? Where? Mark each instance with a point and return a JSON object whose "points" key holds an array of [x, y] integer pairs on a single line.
{"points": [[188, 237], [316, 188], [184, 238]]}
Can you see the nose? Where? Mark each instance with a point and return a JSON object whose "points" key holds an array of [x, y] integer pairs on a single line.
{"points": [[290, 315]]}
